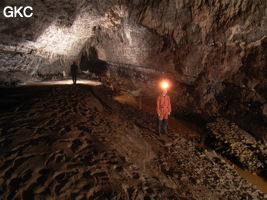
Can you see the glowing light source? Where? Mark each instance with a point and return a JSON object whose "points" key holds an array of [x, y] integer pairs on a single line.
{"points": [[63, 82], [164, 85]]}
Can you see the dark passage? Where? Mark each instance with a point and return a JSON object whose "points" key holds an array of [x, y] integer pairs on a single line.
{"points": [[92, 63]]}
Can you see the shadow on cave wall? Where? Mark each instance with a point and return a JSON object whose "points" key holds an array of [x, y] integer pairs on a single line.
{"points": [[89, 61], [240, 106]]}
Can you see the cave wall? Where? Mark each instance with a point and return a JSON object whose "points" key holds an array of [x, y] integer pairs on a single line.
{"points": [[213, 42], [208, 48], [203, 45], [220, 55]]}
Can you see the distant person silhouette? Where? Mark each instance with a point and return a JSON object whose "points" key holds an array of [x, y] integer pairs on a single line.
{"points": [[73, 70]]}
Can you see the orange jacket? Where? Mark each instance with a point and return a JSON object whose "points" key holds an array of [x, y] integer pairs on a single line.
{"points": [[163, 105]]}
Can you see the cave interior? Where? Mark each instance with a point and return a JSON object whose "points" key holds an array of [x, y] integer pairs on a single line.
{"points": [[214, 54]]}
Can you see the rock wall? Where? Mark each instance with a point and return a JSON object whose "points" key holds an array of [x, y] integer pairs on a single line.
{"points": [[214, 41], [208, 48], [22, 64]]}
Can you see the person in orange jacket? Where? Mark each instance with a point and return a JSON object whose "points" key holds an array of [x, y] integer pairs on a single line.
{"points": [[163, 111]]}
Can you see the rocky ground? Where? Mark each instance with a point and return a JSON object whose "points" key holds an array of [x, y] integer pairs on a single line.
{"points": [[238, 145], [75, 142]]}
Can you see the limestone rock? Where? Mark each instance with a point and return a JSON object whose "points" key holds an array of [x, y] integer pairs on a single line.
{"points": [[207, 48]]}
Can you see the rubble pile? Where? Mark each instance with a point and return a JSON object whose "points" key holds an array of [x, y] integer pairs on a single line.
{"points": [[237, 145]]}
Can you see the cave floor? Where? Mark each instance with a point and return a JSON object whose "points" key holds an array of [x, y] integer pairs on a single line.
{"points": [[188, 129], [61, 82], [76, 142]]}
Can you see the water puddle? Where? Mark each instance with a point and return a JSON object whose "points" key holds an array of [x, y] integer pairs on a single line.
{"points": [[254, 179]]}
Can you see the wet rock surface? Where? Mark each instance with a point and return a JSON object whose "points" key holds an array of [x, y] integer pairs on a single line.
{"points": [[75, 142], [237, 145]]}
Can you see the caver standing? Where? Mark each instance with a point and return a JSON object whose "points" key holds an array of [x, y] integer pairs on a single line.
{"points": [[163, 111], [74, 70]]}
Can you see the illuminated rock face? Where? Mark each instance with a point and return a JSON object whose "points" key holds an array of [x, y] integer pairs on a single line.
{"points": [[208, 47]]}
